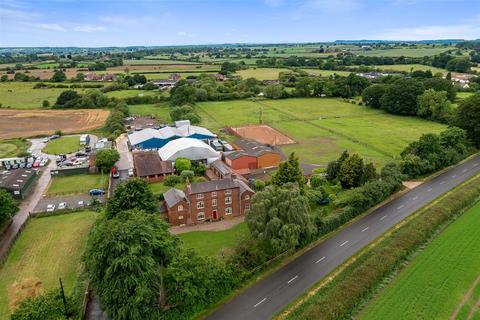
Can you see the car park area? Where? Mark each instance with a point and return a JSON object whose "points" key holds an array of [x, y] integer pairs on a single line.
{"points": [[72, 202]]}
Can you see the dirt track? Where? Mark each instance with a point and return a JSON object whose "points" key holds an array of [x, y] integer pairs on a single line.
{"points": [[29, 123]]}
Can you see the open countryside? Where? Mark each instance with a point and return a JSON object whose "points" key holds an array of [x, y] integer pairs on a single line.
{"points": [[240, 160]]}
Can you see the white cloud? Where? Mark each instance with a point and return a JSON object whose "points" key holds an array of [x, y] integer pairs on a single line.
{"points": [[10, 14], [50, 27], [88, 28], [182, 33], [458, 31]]}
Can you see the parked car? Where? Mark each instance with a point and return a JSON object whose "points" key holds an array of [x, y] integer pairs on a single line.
{"points": [[115, 175], [60, 158], [77, 162], [81, 203], [81, 154], [43, 162], [62, 205], [54, 136], [36, 164], [46, 139], [50, 208], [130, 172], [88, 149], [96, 192]]}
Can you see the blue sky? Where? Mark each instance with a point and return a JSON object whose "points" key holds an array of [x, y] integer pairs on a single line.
{"points": [[174, 22]]}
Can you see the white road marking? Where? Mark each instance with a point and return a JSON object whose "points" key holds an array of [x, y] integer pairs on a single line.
{"points": [[344, 243], [293, 279], [320, 260], [383, 217], [415, 198], [260, 302], [443, 182], [400, 207], [429, 190], [365, 229]]}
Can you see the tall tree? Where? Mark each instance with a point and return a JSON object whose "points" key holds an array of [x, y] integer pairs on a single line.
{"points": [[279, 218], [125, 257], [401, 97], [351, 172], [468, 117], [134, 194], [289, 171], [106, 159], [434, 105], [8, 206]]}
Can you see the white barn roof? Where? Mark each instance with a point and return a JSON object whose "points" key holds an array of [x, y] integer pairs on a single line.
{"points": [[165, 133], [192, 149]]}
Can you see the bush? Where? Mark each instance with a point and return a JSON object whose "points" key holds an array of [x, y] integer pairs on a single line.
{"points": [[316, 181], [187, 174], [47, 306], [258, 185], [172, 180], [182, 164]]}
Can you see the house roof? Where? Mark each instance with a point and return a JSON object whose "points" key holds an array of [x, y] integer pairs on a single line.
{"points": [[213, 185], [255, 148], [173, 196], [184, 131], [15, 179], [237, 154], [149, 164], [243, 186], [192, 149], [221, 167]]}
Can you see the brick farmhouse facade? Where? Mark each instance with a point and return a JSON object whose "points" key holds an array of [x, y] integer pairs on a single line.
{"points": [[207, 201]]}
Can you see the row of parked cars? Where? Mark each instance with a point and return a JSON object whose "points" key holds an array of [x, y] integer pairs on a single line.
{"points": [[52, 137], [80, 204], [78, 159]]}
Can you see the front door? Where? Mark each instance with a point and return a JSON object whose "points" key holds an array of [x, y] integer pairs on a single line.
{"points": [[214, 214]]}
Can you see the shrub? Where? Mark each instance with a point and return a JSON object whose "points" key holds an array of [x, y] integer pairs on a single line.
{"points": [[47, 306], [187, 174], [172, 180]]}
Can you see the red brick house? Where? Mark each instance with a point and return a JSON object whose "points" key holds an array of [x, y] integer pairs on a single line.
{"points": [[207, 201]]}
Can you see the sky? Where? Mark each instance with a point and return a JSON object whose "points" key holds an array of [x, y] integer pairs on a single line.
{"points": [[97, 23]]}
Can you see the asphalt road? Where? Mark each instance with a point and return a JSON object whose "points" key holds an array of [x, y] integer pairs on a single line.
{"points": [[269, 296]]}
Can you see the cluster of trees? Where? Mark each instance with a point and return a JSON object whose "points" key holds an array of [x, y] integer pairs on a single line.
{"points": [[105, 159], [467, 117], [451, 63], [350, 171], [433, 152], [140, 271], [8, 206], [428, 97]]}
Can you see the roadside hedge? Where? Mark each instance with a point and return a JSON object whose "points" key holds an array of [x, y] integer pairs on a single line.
{"points": [[341, 298]]}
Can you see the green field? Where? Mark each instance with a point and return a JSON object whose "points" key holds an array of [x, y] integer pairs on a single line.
{"points": [[409, 68], [13, 147], [76, 184], [63, 145], [433, 285], [159, 111], [21, 95], [261, 73], [323, 127], [48, 248], [213, 242]]}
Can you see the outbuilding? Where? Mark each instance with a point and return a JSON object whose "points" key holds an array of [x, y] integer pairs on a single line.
{"points": [[193, 149], [17, 182]]}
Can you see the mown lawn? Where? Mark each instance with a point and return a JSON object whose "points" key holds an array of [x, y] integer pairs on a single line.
{"points": [[131, 93], [210, 243], [76, 184], [63, 145], [435, 282], [159, 188], [409, 68], [13, 147], [160, 111], [323, 127], [48, 248]]}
